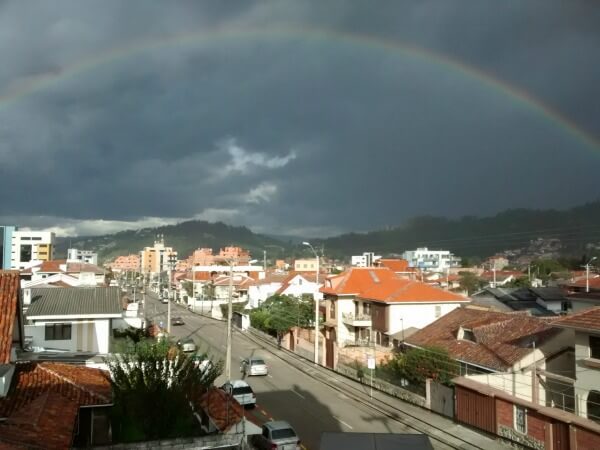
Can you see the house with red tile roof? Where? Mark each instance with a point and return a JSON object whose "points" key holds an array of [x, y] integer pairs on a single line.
{"points": [[265, 287], [374, 304], [586, 328], [46, 271], [41, 402], [297, 284]]}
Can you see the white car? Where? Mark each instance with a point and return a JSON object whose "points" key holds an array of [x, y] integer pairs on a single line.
{"points": [[254, 366], [241, 391], [187, 346]]}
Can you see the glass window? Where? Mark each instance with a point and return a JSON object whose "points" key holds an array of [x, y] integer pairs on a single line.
{"points": [[593, 406], [521, 419], [367, 309], [595, 347], [58, 332], [332, 310], [438, 311], [25, 252], [284, 433]]}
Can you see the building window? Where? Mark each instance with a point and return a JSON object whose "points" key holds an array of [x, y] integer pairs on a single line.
{"points": [[25, 252], [595, 347], [332, 310], [520, 419], [438, 311], [367, 309], [36, 238], [593, 406], [58, 332]]}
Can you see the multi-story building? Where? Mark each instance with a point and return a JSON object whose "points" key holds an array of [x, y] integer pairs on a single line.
{"points": [[431, 260], [86, 256], [155, 259], [367, 259], [6, 233], [125, 263], [305, 265], [28, 246]]}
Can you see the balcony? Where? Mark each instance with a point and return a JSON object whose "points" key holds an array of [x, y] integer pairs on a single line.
{"points": [[360, 320]]}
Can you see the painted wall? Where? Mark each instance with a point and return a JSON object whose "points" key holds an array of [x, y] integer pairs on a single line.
{"points": [[87, 336], [416, 315], [588, 378]]}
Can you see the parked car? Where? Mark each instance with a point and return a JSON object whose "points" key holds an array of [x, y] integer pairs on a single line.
{"points": [[276, 434], [254, 366], [187, 345], [177, 321], [241, 391], [164, 300]]}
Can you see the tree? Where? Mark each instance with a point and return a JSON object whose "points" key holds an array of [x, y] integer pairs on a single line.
{"points": [[279, 313], [470, 282], [189, 287], [519, 283], [154, 381], [418, 364]]}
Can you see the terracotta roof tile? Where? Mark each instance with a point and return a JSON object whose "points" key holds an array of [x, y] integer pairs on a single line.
{"points": [[397, 265], [9, 295], [397, 290], [588, 320], [501, 339], [222, 408], [356, 280], [83, 385], [46, 422]]}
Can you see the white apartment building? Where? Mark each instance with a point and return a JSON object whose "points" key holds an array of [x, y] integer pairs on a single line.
{"points": [[367, 259], [431, 260], [155, 259], [86, 256], [28, 246]]}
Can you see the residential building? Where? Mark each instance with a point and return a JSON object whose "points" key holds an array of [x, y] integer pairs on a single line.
{"points": [[302, 283], [240, 284], [86, 256], [399, 266], [373, 304], [265, 288], [46, 404], [497, 262], [305, 265], [71, 319], [46, 271], [6, 236], [28, 246], [129, 263], [586, 328], [155, 259], [232, 253], [432, 260], [201, 257], [547, 301], [497, 278], [367, 259]]}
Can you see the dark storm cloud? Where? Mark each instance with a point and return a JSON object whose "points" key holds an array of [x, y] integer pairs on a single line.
{"points": [[292, 134]]}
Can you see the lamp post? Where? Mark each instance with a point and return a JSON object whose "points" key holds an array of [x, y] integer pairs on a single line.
{"points": [[587, 274], [229, 316], [316, 304], [171, 265]]}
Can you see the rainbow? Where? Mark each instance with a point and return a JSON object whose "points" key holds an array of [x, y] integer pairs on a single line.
{"points": [[523, 98]]}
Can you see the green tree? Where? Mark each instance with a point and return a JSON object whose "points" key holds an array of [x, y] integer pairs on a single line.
{"points": [[519, 282], [418, 364], [470, 282], [153, 382], [279, 313], [189, 287], [542, 268]]}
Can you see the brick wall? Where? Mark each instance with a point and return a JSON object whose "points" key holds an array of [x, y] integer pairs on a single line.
{"points": [[504, 413], [586, 440]]}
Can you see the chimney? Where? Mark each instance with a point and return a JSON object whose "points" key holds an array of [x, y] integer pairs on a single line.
{"points": [[26, 296]]}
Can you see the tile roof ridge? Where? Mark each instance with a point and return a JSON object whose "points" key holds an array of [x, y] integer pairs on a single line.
{"points": [[73, 383]]}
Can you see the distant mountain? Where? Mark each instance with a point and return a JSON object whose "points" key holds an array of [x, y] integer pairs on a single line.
{"points": [[478, 237], [184, 237], [469, 236]]}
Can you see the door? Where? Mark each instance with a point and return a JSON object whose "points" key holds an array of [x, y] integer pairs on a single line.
{"points": [[560, 436], [329, 353]]}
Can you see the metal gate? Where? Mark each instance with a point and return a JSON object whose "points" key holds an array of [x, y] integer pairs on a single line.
{"points": [[475, 409]]}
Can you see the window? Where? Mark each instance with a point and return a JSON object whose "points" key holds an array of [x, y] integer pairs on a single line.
{"points": [[595, 347], [521, 419], [367, 309], [25, 252], [36, 238], [438, 311], [332, 310], [58, 332], [593, 406]]}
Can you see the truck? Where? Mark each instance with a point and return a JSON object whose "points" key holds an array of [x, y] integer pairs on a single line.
{"points": [[276, 435]]}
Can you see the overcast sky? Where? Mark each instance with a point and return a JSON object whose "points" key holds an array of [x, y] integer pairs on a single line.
{"points": [[292, 117]]}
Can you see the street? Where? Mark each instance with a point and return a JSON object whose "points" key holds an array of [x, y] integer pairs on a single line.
{"points": [[287, 393]]}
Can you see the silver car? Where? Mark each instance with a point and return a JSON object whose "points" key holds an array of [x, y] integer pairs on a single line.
{"points": [[254, 366], [278, 435], [241, 391]]}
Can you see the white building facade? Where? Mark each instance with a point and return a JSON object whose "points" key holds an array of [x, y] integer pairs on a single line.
{"points": [[431, 260], [86, 256], [28, 246], [367, 259]]}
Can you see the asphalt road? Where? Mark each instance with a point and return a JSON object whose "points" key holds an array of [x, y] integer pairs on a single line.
{"points": [[287, 393]]}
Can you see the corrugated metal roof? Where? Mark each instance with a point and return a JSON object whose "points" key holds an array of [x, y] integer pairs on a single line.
{"points": [[74, 301]]}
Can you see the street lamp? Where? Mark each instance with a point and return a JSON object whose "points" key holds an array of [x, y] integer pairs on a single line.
{"points": [[316, 304], [229, 317], [587, 274]]}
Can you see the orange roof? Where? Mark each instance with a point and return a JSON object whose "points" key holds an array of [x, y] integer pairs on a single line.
{"points": [[397, 265], [586, 320], [356, 280], [53, 266], [9, 296], [400, 290], [223, 409]]}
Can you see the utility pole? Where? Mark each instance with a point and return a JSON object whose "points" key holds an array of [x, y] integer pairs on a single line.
{"points": [[171, 265], [316, 298], [265, 261], [229, 316], [587, 275]]}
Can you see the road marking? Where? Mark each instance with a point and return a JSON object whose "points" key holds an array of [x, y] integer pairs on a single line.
{"points": [[342, 422], [298, 394]]}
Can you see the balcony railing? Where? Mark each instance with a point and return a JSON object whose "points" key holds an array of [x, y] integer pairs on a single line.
{"points": [[360, 320]]}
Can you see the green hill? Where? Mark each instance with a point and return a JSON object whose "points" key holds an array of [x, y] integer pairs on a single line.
{"points": [[467, 236]]}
